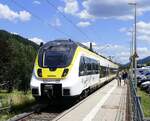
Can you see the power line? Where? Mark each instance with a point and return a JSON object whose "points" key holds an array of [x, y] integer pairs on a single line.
{"points": [[52, 5], [40, 19]]}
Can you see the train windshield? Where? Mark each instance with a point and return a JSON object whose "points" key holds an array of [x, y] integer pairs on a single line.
{"points": [[56, 55], [55, 59]]}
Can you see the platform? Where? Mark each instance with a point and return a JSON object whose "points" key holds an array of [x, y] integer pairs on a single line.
{"points": [[106, 104]]}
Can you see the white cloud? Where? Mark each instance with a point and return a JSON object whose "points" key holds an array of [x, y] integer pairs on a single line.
{"points": [[71, 6], [85, 15], [37, 40], [8, 14], [15, 33], [56, 23], [36, 2], [24, 16], [143, 38], [61, 9], [143, 27], [143, 52], [143, 31], [105, 9], [124, 29], [117, 9], [125, 17], [84, 24], [119, 53], [127, 31]]}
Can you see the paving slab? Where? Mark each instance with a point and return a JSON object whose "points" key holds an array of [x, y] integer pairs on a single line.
{"points": [[106, 104]]}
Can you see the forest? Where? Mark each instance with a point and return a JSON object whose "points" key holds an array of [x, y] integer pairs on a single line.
{"points": [[17, 56]]}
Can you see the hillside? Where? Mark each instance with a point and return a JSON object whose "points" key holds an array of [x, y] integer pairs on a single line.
{"points": [[17, 56], [144, 60]]}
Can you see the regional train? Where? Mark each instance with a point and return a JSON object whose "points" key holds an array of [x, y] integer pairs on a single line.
{"points": [[64, 68]]}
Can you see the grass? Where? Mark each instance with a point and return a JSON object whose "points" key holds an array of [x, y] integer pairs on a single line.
{"points": [[20, 102], [145, 101]]}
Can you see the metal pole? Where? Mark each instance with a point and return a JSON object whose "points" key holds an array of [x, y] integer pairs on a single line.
{"points": [[131, 53], [135, 48], [135, 52], [135, 62]]}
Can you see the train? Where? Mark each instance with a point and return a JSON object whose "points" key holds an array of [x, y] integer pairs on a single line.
{"points": [[65, 68]]}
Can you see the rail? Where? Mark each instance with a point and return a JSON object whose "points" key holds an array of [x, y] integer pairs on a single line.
{"points": [[136, 111]]}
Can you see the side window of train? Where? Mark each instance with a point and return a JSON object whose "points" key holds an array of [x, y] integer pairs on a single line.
{"points": [[95, 67], [88, 65], [113, 70], [103, 71], [99, 69], [82, 70], [107, 71]]}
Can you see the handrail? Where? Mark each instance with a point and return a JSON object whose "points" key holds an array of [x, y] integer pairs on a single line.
{"points": [[136, 108]]}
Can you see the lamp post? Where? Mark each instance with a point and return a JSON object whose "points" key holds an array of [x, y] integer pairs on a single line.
{"points": [[131, 53], [134, 51]]}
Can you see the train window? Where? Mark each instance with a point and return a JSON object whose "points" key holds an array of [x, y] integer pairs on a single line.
{"points": [[58, 48], [47, 53], [103, 71], [54, 59], [95, 66], [113, 70], [82, 67], [88, 66]]}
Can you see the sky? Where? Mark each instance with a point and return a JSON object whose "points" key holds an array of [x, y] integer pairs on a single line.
{"points": [[108, 24]]}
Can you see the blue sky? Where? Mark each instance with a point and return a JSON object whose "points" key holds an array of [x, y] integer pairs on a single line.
{"points": [[105, 23]]}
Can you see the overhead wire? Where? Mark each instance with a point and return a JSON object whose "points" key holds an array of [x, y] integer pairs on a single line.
{"points": [[69, 20], [40, 19]]}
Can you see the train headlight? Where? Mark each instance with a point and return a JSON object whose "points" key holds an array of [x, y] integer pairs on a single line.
{"points": [[39, 72], [65, 72]]}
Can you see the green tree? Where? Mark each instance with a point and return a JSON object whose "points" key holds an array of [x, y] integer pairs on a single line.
{"points": [[17, 57]]}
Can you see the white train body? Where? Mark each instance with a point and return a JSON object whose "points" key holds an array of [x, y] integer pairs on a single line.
{"points": [[86, 70]]}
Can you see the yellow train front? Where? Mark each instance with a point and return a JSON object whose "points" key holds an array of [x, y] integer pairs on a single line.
{"points": [[64, 68]]}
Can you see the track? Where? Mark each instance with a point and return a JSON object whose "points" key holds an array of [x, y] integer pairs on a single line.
{"points": [[46, 114], [42, 112], [50, 112]]}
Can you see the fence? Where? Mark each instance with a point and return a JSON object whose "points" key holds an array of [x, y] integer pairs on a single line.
{"points": [[136, 112]]}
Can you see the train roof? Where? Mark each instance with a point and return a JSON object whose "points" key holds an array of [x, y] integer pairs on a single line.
{"points": [[73, 43]]}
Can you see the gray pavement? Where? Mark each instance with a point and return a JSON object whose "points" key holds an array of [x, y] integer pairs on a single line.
{"points": [[106, 104]]}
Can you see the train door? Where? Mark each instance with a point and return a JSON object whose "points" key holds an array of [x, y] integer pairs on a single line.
{"points": [[107, 72], [94, 72], [84, 72], [99, 71], [89, 70]]}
